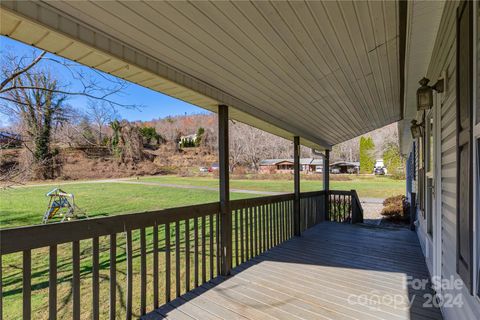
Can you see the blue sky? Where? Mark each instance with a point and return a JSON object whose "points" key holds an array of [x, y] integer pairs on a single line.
{"points": [[155, 104]]}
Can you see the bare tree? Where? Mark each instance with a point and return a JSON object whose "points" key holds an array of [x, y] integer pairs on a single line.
{"points": [[346, 151], [100, 114], [32, 96], [39, 106]]}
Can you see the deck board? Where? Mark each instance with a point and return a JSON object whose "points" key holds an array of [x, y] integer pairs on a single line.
{"points": [[322, 275]]}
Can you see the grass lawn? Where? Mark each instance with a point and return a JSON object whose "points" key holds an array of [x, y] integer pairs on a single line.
{"points": [[366, 186], [25, 206]]}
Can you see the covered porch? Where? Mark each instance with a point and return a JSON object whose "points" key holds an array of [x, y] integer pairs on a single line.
{"points": [[334, 271], [317, 73]]}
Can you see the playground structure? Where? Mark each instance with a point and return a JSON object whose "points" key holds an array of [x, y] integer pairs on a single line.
{"points": [[62, 205]]}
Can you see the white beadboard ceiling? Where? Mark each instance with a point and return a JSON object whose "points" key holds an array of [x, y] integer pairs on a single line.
{"points": [[325, 71]]}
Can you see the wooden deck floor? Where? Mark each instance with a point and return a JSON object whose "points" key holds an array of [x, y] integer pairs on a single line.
{"points": [[334, 271]]}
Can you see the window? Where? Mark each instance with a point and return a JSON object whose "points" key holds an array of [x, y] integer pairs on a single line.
{"points": [[465, 146]]}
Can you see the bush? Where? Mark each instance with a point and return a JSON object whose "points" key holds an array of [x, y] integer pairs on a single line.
{"points": [[396, 208]]}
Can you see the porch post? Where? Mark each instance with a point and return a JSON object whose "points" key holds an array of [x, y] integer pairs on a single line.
{"points": [[326, 181], [296, 178], [225, 212]]}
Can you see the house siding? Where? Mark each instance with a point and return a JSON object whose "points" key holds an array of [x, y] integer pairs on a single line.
{"points": [[444, 59]]}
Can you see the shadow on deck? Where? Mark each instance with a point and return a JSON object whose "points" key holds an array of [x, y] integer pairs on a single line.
{"points": [[334, 271]]}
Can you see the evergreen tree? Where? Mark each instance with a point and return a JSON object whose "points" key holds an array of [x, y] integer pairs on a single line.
{"points": [[394, 161], [367, 159]]}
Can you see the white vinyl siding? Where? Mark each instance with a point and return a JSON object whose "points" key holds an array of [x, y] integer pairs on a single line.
{"points": [[444, 59]]}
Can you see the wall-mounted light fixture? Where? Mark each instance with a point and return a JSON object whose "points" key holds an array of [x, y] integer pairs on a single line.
{"points": [[425, 93], [416, 129]]}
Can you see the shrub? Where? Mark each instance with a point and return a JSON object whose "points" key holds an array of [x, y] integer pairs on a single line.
{"points": [[396, 208]]}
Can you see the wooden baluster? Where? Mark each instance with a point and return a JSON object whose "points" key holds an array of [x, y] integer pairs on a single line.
{"points": [[195, 252], [143, 272], [255, 227], [274, 223], [259, 228], [252, 234], [168, 270], [236, 236], [287, 220], [187, 255], [113, 277], [204, 254], [264, 227], [95, 279], [282, 221], [27, 284], [278, 223], [292, 225], [52, 283], [329, 207], [271, 222], [334, 209], [211, 245], [242, 237], [247, 252], [288, 228], [267, 225], [274, 213], [280, 236], [76, 279], [219, 245], [155, 266], [128, 310], [177, 259]]}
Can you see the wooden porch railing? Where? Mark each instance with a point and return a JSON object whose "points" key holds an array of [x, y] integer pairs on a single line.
{"points": [[344, 206], [108, 265]]}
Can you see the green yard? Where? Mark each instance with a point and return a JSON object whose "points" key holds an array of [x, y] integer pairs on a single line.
{"points": [[366, 186], [25, 205]]}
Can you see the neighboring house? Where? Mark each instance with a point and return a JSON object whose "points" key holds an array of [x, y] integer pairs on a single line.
{"points": [[443, 149], [345, 167], [308, 165]]}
